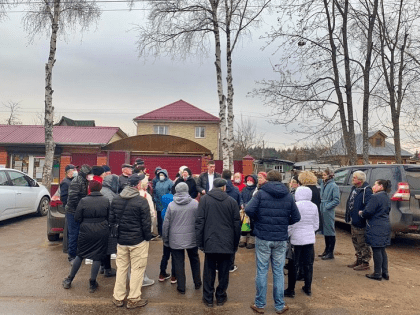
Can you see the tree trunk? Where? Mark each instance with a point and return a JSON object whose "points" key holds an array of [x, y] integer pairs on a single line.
{"points": [[49, 109], [366, 83], [229, 80], [222, 99]]}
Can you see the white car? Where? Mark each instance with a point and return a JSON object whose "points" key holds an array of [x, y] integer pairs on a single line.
{"points": [[21, 194]]}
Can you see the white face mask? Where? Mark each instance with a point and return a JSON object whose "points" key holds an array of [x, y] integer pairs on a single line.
{"points": [[89, 177], [162, 177], [75, 174], [250, 183], [238, 180]]}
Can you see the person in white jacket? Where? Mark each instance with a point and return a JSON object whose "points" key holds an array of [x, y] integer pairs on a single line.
{"points": [[302, 237]]}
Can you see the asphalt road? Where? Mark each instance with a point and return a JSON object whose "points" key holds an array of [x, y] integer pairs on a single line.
{"points": [[32, 269]]}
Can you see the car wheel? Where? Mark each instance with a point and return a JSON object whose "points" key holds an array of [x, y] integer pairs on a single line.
{"points": [[53, 237], [44, 206]]}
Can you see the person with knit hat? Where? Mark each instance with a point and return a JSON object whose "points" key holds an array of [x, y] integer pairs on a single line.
{"points": [[247, 235], [92, 214], [186, 177], [179, 235], [107, 170]]}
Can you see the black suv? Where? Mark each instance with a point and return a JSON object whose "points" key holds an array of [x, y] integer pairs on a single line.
{"points": [[404, 194]]}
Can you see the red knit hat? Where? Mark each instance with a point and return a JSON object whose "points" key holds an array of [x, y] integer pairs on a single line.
{"points": [[263, 174]]}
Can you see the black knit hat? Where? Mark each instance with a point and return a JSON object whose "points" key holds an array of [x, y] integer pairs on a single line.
{"points": [[106, 168], [134, 179], [97, 170]]}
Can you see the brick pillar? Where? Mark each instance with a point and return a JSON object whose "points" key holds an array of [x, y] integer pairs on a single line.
{"points": [[101, 160], [247, 165], [4, 157], [64, 161], [204, 160]]}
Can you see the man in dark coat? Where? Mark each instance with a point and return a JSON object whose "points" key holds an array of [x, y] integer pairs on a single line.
{"points": [[132, 213], [186, 177], [360, 195], [205, 180], [78, 189], [218, 228], [126, 170], [273, 209]]}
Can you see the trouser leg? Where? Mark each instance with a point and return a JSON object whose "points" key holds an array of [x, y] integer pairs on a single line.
{"points": [[377, 260], [165, 258], [95, 269], [307, 258], [223, 265], [138, 261], [363, 251], [123, 264], [160, 222], [178, 258], [209, 276], [106, 262], [194, 259], [384, 261], [77, 262]]}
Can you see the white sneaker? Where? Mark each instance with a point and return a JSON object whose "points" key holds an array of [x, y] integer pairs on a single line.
{"points": [[147, 282], [234, 268]]}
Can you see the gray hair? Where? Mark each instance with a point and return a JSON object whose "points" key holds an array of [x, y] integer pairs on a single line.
{"points": [[360, 175]]}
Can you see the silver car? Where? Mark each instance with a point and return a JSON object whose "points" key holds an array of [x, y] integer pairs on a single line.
{"points": [[21, 194]]}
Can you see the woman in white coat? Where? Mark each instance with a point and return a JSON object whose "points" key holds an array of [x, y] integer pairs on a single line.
{"points": [[302, 237]]}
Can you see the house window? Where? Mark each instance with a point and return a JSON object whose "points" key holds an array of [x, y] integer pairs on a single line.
{"points": [[378, 142], [34, 165], [200, 132], [161, 130], [279, 168]]}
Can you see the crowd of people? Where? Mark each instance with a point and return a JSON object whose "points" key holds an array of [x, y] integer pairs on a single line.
{"points": [[215, 213]]}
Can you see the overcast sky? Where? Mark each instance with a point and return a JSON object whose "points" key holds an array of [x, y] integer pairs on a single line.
{"points": [[99, 76]]}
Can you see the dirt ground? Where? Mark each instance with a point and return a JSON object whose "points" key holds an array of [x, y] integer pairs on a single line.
{"points": [[33, 268]]}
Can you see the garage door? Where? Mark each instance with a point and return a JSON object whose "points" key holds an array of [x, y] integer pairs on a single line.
{"points": [[170, 163]]}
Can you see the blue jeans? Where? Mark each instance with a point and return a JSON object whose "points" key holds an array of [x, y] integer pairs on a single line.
{"points": [[266, 251], [73, 234]]}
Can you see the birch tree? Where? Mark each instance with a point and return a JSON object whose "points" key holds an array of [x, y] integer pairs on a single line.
{"points": [[54, 18], [191, 27]]}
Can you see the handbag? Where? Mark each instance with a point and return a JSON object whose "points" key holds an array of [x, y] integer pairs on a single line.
{"points": [[114, 228]]}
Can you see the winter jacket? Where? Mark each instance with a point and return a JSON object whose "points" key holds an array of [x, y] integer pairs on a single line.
{"points": [[273, 209], [248, 191], [155, 180], [123, 182], [233, 192], [64, 190], [166, 200], [363, 195], [92, 214], [162, 188], [203, 181], [110, 187], [378, 228], [303, 232], [218, 225], [330, 198], [134, 213], [192, 186], [178, 230], [240, 186], [78, 189]]}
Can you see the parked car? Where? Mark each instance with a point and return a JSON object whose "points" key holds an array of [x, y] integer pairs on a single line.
{"points": [[404, 194], [21, 194], [55, 220]]}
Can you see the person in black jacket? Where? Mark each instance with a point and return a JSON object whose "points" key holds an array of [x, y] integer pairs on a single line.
{"points": [[218, 228], [92, 214], [132, 213], [78, 189], [359, 197], [205, 180], [126, 172], [247, 234], [378, 231], [186, 177]]}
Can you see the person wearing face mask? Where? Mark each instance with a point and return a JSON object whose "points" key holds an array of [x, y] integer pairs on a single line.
{"points": [[186, 177], [247, 235], [163, 187], [238, 181], [78, 189]]}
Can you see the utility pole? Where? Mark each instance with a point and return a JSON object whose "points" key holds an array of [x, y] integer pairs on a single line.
{"points": [[262, 154]]}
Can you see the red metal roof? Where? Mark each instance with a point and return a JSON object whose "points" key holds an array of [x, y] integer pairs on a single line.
{"points": [[178, 111], [24, 134]]}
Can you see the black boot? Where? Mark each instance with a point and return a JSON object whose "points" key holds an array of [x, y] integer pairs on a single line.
{"points": [[326, 247], [330, 253], [93, 285], [67, 282]]}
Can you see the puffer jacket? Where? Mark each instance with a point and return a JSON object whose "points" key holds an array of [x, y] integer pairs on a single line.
{"points": [[178, 230], [110, 187], [134, 213], [363, 195], [218, 225], [378, 227], [78, 189], [233, 192], [303, 232], [64, 189], [273, 209], [162, 188], [248, 191]]}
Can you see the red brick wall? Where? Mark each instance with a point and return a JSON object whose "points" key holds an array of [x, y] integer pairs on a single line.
{"points": [[64, 161], [4, 158], [101, 160]]}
